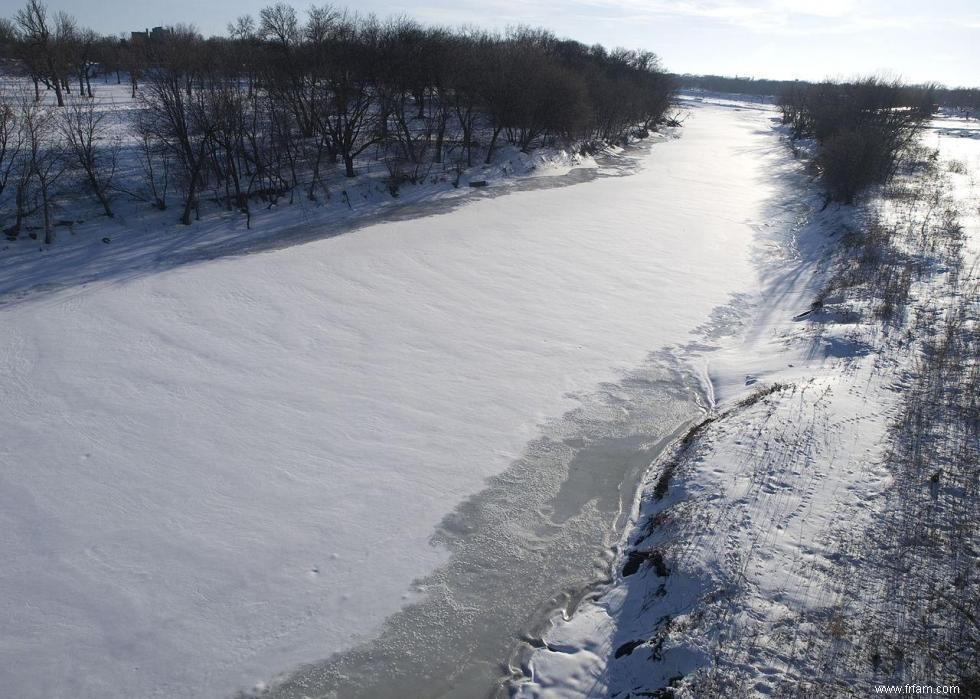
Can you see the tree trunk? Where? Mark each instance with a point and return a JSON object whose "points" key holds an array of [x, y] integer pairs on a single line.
{"points": [[467, 125], [104, 200], [191, 196], [311, 194], [493, 141], [48, 236], [57, 90], [349, 166], [20, 197], [440, 134]]}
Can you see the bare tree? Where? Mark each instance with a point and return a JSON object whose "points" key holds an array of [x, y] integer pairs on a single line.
{"points": [[45, 156], [279, 24], [349, 98], [11, 140], [246, 48], [81, 47], [85, 130], [67, 48], [154, 159], [32, 20], [133, 60], [180, 122]]}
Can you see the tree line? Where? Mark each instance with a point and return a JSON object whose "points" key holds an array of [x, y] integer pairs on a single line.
{"points": [[286, 98], [864, 129], [955, 99]]}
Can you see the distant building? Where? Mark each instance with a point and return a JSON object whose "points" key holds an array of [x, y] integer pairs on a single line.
{"points": [[156, 33]]}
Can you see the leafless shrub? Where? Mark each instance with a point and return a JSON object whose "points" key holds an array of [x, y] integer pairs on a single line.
{"points": [[865, 129]]}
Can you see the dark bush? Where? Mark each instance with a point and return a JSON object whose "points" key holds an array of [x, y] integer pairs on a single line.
{"points": [[864, 129]]}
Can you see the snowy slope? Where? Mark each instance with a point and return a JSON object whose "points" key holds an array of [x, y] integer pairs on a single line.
{"points": [[215, 472]]}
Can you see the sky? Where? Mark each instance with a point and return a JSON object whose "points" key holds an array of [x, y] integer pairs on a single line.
{"points": [[916, 40]]}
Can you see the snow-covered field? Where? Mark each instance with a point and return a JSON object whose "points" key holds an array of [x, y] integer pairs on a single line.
{"points": [[215, 471], [770, 550]]}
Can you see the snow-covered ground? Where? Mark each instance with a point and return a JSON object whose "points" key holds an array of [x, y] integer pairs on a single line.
{"points": [[758, 559], [214, 471]]}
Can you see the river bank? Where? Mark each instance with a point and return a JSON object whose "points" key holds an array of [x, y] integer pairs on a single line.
{"points": [[798, 540]]}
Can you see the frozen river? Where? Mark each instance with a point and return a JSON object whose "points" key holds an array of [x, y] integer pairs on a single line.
{"points": [[533, 541], [379, 457]]}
